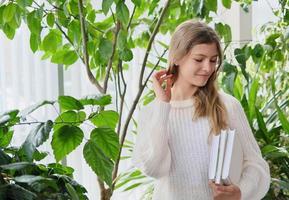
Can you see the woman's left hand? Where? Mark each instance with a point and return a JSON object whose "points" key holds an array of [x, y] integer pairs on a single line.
{"points": [[222, 192]]}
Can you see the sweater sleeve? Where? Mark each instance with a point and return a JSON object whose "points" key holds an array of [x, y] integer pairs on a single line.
{"points": [[255, 178], [151, 152]]}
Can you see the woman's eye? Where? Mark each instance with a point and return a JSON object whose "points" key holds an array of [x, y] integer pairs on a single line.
{"points": [[198, 60], [213, 61]]}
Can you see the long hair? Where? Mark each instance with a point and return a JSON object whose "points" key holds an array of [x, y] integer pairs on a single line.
{"points": [[206, 98]]}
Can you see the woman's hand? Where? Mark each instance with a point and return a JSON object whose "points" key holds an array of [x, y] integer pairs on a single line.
{"points": [[221, 192], [158, 78]]}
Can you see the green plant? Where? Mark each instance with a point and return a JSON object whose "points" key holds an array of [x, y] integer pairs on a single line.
{"points": [[21, 177]]}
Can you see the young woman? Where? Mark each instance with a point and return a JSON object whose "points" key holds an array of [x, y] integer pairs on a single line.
{"points": [[174, 130]]}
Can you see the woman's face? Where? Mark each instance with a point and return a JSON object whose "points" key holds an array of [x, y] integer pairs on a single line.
{"points": [[198, 65]]}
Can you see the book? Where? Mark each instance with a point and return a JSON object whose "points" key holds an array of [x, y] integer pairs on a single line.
{"points": [[226, 158], [233, 164], [221, 155]]}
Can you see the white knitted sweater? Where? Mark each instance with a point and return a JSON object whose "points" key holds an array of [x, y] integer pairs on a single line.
{"points": [[173, 149]]}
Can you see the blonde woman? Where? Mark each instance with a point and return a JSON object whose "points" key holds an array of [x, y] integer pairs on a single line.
{"points": [[174, 130]]}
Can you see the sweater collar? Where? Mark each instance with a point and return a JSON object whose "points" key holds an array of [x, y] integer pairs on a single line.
{"points": [[182, 103]]}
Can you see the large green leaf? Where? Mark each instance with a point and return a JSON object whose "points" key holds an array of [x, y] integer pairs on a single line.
{"points": [[105, 48], [108, 118], [106, 4], [69, 117], [122, 12], [51, 41], [65, 140], [36, 137], [98, 162], [5, 136], [101, 100], [69, 103], [9, 12], [34, 23], [107, 140]]}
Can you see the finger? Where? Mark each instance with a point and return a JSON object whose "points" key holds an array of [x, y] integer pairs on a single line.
{"points": [[229, 189], [160, 73]]}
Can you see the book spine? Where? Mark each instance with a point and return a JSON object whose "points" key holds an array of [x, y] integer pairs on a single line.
{"points": [[221, 156]]}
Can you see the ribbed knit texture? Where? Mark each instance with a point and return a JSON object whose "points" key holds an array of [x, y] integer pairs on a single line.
{"points": [[173, 149]]}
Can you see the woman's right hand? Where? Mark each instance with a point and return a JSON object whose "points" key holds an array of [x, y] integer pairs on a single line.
{"points": [[158, 78]]}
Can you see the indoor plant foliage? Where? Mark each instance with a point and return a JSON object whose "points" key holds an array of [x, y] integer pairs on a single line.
{"points": [[70, 30]]}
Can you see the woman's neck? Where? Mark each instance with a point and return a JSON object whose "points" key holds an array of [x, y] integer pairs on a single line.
{"points": [[182, 91]]}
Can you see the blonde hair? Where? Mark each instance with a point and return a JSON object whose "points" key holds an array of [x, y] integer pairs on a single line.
{"points": [[206, 98]]}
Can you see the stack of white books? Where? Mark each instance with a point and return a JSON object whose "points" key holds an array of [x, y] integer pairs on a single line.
{"points": [[226, 158]]}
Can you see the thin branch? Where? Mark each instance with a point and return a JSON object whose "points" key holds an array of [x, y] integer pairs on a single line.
{"points": [[155, 31], [131, 17], [156, 65], [85, 52], [109, 65]]}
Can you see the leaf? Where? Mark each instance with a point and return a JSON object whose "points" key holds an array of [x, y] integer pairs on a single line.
{"points": [[211, 5], [5, 137], [107, 140], [9, 31], [227, 3], [38, 183], [34, 42], [65, 140], [284, 121], [98, 162], [61, 169], [71, 191], [50, 42], [69, 58], [101, 100], [69, 103], [9, 12], [16, 166], [106, 4], [50, 19], [137, 2], [252, 97], [69, 118], [108, 118], [121, 40], [17, 192], [105, 48], [122, 12], [24, 3], [36, 137], [34, 23]]}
